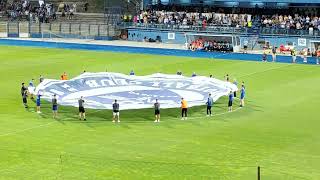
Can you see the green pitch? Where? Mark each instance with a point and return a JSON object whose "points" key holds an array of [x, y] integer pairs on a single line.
{"points": [[277, 130]]}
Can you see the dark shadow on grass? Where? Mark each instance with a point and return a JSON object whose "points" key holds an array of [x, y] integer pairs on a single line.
{"points": [[127, 117]]}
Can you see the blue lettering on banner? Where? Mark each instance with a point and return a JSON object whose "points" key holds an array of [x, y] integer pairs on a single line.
{"points": [[133, 92]]}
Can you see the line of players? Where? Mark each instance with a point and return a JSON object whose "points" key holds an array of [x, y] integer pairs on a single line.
{"points": [[116, 107], [293, 53]]}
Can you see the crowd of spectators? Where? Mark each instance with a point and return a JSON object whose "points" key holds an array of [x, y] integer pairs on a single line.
{"points": [[201, 44], [191, 18], [36, 11], [291, 22], [182, 18], [23, 9], [2, 5], [67, 10]]}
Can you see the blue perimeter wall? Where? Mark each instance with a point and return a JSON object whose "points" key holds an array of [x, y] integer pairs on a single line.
{"points": [[139, 34], [153, 51]]}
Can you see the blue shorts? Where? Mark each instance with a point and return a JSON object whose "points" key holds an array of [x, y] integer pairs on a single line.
{"points": [[38, 103], [54, 108], [241, 97]]}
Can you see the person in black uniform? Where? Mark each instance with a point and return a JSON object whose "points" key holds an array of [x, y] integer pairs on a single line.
{"points": [[23, 89], [24, 98], [116, 111], [82, 112], [157, 111], [24, 94]]}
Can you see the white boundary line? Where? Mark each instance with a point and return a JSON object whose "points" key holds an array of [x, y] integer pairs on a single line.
{"points": [[27, 129], [270, 69], [214, 115]]}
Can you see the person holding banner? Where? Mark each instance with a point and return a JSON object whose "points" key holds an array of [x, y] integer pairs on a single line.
{"points": [[31, 88], [184, 109], [64, 76], [41, 79], [209, 105], [82, 112], [38, 102], [157, 111], [23, 89], [24, 98], [116, 113], [54, 106], [242, 95], [230, 101]]}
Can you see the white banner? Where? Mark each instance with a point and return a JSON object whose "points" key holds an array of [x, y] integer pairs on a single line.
{"points": [[133, 92]]}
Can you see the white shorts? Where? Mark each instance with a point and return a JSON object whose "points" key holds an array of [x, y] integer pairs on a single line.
{"points": [[116, 113], [31, 89]]}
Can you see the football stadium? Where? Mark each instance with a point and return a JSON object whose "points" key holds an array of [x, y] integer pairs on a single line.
{"points": [[160, 89]]}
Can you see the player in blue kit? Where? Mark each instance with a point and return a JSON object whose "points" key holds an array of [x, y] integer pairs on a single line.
{"points": [[54, 106], [230, 101], [38, 102], [242, 95]]}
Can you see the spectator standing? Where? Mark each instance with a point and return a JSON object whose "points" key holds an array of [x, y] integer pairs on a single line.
{"points": [[245, 46], [264, 56], [274, 53], [318, 56], [294, 56], [305, 54]]}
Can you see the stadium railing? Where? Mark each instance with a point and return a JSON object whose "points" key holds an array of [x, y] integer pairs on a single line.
{"points": [[225, 29], [92, 30], [59, 30]]}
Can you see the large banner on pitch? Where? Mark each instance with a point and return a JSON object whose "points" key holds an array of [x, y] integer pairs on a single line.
{"points": [[133, 92]]}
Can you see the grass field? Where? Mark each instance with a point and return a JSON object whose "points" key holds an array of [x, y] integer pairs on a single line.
{"points": [[277, 130]]}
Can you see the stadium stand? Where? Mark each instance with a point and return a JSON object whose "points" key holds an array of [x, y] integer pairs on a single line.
{"points": [[52, 10], [204, 19]]}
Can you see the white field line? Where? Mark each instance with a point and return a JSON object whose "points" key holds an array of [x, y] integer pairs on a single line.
{"points": [[27, 129], [257, 72], [214, 115]]}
